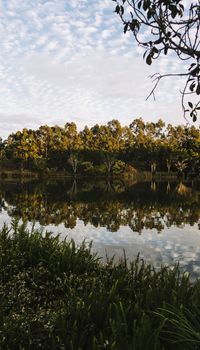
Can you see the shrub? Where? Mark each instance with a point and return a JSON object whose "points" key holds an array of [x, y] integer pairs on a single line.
{"points": [[55, 295], [118, 167]]}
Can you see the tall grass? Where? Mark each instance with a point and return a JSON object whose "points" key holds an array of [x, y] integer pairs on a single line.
{"points": [[55, 295]]}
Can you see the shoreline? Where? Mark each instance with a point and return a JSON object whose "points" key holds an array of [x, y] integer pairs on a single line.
{"points": [[140, 176]]}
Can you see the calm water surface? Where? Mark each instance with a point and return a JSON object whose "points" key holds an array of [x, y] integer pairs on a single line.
{"points": [[159, 220]]}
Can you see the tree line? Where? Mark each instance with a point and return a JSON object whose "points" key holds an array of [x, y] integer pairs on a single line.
{"points": [[104, 149]]}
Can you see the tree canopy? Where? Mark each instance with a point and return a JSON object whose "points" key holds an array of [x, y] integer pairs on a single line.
{"points": [[164, 27], [101, 149]]}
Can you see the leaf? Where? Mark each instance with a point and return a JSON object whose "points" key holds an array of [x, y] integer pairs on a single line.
{"points": [[126, 27], [190, 104], [134, 25], [192, 86], [198, 89], [145, 5], [149, 60], [174, 10], [155, 50], [121, 10], [149, 14], [192, 65], [117, 9], [194, 118]]}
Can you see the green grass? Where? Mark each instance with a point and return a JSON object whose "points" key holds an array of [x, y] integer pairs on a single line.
{"points": [[55, 295]]}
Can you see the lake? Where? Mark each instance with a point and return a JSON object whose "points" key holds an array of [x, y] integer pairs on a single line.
{"points": [[161, 220]]}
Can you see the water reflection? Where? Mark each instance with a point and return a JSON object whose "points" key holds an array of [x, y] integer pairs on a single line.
{"points": [[161, 220], [109, 204]]}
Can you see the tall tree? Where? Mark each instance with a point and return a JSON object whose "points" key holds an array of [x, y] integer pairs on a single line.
{"points": [[73, 139], [23, 146], [44, 135]]}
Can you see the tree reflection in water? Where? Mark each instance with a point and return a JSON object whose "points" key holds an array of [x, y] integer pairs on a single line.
{"points": [[109, 204]]}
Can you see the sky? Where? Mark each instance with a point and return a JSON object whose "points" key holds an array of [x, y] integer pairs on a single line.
{"points": [[63, 61]]}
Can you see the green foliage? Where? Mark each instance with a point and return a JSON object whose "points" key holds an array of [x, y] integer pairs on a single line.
{"points": [[119, 167], [182, 325], [67, 150], [54, 295]]}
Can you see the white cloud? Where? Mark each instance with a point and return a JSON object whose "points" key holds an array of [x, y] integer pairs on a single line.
{"points": [[67, 60]]}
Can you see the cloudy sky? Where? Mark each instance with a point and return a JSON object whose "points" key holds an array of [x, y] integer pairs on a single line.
{"points": [[67, 61]]}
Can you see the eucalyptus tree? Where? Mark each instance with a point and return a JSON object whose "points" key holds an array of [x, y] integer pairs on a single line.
{"points": [[145, 134], [72, 137], [147, 141], [116, 135], [87, 138], [44, 135], [174, 136], [155, 131], [191, 142], [73, 144], [111, 141], [2, 149], [137, 128], [23, 146], [57, 142]]}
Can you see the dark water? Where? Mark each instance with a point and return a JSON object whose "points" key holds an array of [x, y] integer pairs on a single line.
{"points": [[159, 220]]}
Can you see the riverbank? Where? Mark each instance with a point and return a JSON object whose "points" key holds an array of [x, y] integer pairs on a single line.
{"points": [[26, 175], [54, 295]]}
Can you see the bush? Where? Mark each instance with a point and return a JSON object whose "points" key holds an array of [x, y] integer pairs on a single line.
{"points": [[130, 170], [54, 295], [118, 167]]}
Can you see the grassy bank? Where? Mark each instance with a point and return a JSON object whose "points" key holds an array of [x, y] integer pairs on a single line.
{"points": [[54, 295]]}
